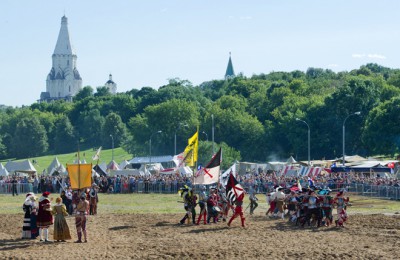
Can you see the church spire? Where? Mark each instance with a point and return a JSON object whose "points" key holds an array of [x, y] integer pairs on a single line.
{"points": [[63, 45], [230, 73], [64, 80]]}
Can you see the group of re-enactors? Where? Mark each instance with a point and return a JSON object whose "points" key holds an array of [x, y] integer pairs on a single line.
{"points": [[306, 204], [213, 207], [40, 214], [301, 206]]}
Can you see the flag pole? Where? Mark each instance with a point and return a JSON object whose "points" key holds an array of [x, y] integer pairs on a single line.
{"points": [[197, 153], [79, 169]]}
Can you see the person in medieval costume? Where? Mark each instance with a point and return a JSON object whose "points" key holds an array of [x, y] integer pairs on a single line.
{"points": [[279, 197], [82, 209], [189, 200], [93, 199], [212, 206], [271, 202], [44, 217], [61, 229], [253, 199], [341, 204], [342, 218], [223, 203], [292, 201], [238, 210], [29, 229], [202, 203], [75, 200], [313, 208], [327, 206]]}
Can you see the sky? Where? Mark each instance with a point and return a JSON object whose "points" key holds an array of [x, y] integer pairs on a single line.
{"points": [[145, 43]]}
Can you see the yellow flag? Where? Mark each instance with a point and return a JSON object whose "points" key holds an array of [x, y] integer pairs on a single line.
{"points": [[80, 175], [191, 150]]}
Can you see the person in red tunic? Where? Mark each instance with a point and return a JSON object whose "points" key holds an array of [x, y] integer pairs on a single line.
{"points": [[238, 210], [44, 217]]}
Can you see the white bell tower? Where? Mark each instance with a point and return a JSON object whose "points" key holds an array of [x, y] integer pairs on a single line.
{"points": [[64, 80]]}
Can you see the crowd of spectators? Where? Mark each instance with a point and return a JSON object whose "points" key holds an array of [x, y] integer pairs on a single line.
{"points": [[171, 183]]}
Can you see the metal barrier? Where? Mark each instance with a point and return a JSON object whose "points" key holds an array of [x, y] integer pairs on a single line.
{"points": [[19, 188], [380, 191]]}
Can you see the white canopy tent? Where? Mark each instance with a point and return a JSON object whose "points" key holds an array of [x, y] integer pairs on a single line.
{"points": [[3, 170], [20, 167], [53, 165], [123, 164]]}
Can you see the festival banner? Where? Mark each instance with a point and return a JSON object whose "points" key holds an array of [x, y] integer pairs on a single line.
{"points": [[80, 175], [191, 150], [233, 189], [210, 173]]}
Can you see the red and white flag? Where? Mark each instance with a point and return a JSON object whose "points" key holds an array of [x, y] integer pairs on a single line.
{"points": [[233, 189], [210, 173]]}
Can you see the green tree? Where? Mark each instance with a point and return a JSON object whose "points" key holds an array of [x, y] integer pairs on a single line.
{"points": [[382, 128], [85, 92], [102, 91], [91, 128], [3, 149], [229, 154], [65, 139], [113, 126], [29, 139]]}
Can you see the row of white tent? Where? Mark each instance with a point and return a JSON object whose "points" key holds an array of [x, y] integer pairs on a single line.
{"points": [[22, 167]]}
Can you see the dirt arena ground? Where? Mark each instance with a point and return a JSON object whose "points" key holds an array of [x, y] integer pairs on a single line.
{"points": [[145, 236]]}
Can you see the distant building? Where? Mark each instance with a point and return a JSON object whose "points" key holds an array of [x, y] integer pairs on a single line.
{"points": [[111, 85], [230, 73], [64, 80]]}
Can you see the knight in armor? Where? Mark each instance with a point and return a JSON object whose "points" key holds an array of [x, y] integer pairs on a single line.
{"points": [[313, 209], [190, 201], [202, 203], [93, 199], [253, 199], [238, 210]]}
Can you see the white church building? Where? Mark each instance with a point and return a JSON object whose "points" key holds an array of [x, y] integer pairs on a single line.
{"points": [[111, 85], [64, 80]]}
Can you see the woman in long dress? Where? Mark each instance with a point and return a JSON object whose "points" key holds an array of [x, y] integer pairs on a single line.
{"points": [[34, 212], [27, 207], [61, 229]]}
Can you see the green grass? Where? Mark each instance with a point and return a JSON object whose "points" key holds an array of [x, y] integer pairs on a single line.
{"points": [[43, 162], [168, 203], [110, 203]]}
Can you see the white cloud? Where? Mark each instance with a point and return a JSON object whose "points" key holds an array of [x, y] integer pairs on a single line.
{"points": [[357, 56], [376, 56], [371, 56], [246, 17]]}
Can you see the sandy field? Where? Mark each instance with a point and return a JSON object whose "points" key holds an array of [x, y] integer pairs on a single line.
{"points": [[145, 236]]}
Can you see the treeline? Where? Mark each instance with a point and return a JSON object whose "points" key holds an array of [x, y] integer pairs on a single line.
{"points": [[254, 118]]}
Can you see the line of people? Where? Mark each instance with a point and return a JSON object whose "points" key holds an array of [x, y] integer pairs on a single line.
{"points": [[213, 207], [306, 206], [309, 204], [40, 215]]}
